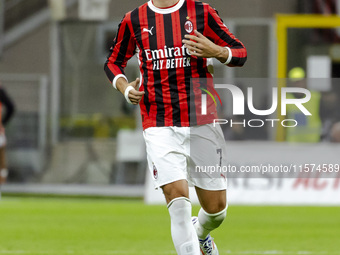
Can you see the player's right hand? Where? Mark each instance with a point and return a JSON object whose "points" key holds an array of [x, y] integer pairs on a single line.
{"points": [[134, 94]]}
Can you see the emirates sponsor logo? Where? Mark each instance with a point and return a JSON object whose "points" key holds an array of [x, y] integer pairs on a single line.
{"points": [[169, 58], [166, 53]]}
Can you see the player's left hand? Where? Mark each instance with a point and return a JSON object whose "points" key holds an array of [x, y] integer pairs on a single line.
{"points": [[200, 46]]}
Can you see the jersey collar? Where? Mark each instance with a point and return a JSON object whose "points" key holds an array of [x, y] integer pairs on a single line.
{"points": [[167, 10]]}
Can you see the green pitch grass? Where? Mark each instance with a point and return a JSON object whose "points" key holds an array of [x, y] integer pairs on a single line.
{"points": [[33, 226]]}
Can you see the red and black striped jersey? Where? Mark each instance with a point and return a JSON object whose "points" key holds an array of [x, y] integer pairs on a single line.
{"points": [[167, 70]]}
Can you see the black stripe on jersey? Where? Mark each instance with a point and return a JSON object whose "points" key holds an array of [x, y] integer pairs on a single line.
{"points": [[200, 27], [176, 111], [183, 13], [107, 70], [123, 47], [238, 61], [199, 16], [156, 73], [223, 35], [136, 28]]}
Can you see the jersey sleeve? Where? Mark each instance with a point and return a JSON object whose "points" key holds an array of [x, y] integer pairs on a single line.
{"points": [[218, 32], [122, 49]]}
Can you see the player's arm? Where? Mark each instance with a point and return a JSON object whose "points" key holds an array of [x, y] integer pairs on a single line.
{"points": [[217, 41], [122, 50], [200, 46]]}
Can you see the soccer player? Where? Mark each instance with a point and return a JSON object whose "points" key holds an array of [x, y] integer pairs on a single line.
{"points": [[6, 101], [174, 41]]}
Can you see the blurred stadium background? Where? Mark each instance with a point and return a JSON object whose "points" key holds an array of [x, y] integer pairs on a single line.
{"points": [[70, 123], [73, 135]]}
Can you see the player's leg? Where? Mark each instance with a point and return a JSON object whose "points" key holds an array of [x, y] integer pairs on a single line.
{"points": [[167, 164], [210, 217], [175, 190], [213, 211], [3, 163], [182, 230], [207, 150]]}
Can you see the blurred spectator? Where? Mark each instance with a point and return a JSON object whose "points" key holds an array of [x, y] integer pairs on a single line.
{"points": [[335, 133], [322, 106], [5, 115], [324, 7], [309, 128]]}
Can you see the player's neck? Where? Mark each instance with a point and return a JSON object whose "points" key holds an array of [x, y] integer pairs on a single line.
{"points": [[164, 3]]}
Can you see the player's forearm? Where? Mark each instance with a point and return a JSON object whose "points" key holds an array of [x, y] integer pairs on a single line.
{"points": [[200, 46], [222, 54], [122, 84]]}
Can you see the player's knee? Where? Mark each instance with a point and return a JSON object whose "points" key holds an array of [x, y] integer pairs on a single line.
{"points": [[175, 190], [170, 196], [179, 203], [180, 211], [213, 220], [217, 207]]}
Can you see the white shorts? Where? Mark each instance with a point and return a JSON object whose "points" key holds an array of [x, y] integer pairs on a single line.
{"points": [[180, 153]]}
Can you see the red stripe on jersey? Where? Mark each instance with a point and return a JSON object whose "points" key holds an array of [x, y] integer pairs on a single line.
{"points": [[177, 39], [168, 121]]}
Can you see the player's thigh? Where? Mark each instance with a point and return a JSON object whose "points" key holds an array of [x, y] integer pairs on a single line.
{"points": [[207, 145], [212, 201], [175, 189], [166, 159], [207, 159]]}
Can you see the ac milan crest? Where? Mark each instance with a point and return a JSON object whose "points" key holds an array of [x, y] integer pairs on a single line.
{"points": [[188, 26], [155, 172]]}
